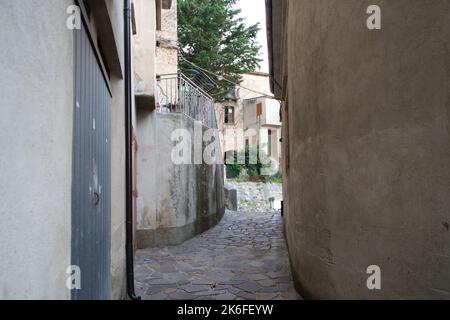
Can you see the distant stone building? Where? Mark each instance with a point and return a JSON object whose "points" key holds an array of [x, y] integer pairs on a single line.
{"points": [[262, 116], [253, 113]]}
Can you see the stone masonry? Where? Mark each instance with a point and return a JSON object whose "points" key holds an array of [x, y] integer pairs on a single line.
{"points": [[255, 197], [243, 258]]}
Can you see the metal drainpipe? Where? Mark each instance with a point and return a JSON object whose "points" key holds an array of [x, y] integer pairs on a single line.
{"points": [[128, 154]]}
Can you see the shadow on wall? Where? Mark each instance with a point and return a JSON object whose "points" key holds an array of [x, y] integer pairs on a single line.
{"points": [[176, 202]]}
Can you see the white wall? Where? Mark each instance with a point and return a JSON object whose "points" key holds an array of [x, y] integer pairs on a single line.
{"points": [[259, 82], [264, 140], [144, 46], [36, 100], [270, 119], [160, 202], [249, 107], [118, 234], [271, 112]]}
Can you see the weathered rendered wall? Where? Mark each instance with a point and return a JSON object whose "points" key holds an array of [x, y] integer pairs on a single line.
{"points": [[118, 183], [144, 47], [36, 169], [36, 100], [369, 175], [176, 202]]}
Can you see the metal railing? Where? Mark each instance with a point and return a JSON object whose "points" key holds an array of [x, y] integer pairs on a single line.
{"points": [[177, 94]]}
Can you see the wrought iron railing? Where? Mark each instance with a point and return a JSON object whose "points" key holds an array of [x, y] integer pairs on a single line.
{"points": [[177, 94]]}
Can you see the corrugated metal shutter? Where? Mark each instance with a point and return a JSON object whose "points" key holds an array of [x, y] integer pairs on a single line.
{"points": [[91, 181]]}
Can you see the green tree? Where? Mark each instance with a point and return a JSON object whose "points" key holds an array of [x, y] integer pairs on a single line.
{"points": [[213, 36]]}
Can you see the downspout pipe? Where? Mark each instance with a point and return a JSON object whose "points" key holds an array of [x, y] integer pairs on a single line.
{"points": [[269, 26], [128, 153]]}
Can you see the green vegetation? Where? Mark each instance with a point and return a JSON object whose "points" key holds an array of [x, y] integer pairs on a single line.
{"points": [[250, 169], [213, 36]]}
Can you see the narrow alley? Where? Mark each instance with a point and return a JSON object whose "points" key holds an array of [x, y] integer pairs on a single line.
{"points": [[224, 150], [212, 265]]}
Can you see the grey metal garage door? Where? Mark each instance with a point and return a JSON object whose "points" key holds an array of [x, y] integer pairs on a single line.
{"points": [[91, 182]]}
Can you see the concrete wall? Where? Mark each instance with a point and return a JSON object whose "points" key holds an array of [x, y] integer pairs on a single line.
{"points": [[36, 99], [144, 47], [264, 142], [172, 206], [176, 202], [118, 183], [271, 113], [36, 150], [366, 134]]}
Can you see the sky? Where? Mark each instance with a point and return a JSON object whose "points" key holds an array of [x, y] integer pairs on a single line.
{"points": [[254, 11]]}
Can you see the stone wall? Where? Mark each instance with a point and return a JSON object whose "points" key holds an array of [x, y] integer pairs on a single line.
{"points": [[255, 197], [167, 39], [176, 202]]}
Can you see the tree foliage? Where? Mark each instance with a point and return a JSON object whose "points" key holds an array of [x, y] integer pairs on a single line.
{"points": [[213, 36]]}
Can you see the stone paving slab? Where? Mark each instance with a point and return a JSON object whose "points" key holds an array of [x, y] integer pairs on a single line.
{"points": [[243, 257]]}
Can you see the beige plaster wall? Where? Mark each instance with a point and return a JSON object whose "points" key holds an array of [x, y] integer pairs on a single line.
{"points": [[367, 145]]}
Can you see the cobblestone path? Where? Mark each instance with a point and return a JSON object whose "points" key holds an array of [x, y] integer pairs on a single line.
{"points": [[243, 258]]}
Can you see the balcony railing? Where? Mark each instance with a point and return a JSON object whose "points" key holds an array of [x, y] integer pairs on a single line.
{"points": [[177, 94]]}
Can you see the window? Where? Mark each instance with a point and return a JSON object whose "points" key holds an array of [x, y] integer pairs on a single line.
{"points": [[133, 19], [259, 110], [269, 146], [229, 115]]}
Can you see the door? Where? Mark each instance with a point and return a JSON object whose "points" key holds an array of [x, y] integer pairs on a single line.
{"points": [[91, 180]]}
